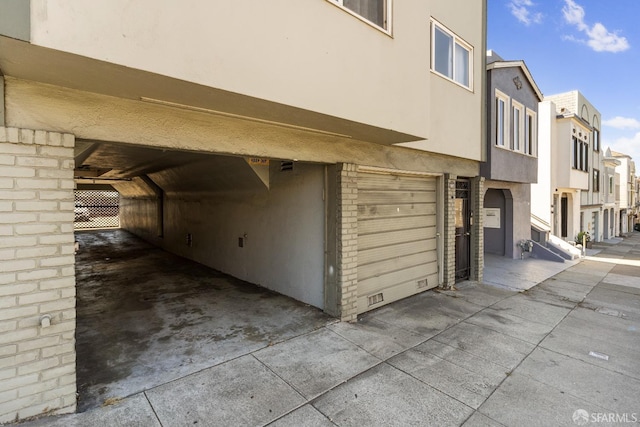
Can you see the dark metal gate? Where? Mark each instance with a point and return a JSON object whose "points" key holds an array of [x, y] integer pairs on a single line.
{"points": [[96, 209], [463, 229]]}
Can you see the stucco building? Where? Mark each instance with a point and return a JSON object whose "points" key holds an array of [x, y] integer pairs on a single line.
{"points": [[323, 149], [570, 155], [512, 163], [625, 187], [611, 197]]}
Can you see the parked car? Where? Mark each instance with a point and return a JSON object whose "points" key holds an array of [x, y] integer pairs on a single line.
{"points": [[636, 226], [81, 212]]}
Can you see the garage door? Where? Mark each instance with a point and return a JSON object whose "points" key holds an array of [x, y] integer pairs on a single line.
{"points": [[397, 253]]}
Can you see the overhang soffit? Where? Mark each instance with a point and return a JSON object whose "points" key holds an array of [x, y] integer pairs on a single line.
{"points": [[25, 61]]}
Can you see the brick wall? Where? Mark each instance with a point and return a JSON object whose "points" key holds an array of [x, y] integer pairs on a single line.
{"points": [[449, 261], [347, 236], [37, 277], [477, 229]]}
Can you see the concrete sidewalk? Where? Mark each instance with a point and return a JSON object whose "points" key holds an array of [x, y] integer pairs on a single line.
{"points": [[482, 355], [520, 274]]}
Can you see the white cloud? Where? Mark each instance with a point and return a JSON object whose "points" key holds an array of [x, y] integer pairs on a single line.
{"points": [[629, 146], [602, 40], [599, 38], [622, 123], [522, 10], [574, 14]]}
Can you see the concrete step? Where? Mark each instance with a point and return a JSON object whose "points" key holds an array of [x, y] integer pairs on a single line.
{"points": [[562, 248], [541, 252]]}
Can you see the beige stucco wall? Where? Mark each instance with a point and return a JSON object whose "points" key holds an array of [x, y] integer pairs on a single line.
{"points": [[98, 117], [282, 230], [456, 113], [308, 53]]}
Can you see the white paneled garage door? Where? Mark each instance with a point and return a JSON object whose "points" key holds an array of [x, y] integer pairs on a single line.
{"points": [[397, 253]]}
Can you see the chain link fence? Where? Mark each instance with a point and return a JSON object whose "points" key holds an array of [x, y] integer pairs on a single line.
{"points": [[96, 209]]}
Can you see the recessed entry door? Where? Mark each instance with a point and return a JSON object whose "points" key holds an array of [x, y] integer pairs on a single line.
{"points": [[564, 217]]}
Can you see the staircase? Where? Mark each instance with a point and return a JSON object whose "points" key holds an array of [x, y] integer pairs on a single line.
{"points": [[562, 248], [550, 247], [540, 251]]}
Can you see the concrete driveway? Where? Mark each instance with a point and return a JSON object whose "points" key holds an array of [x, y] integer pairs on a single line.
{"points": [[562, 353], [146, 317]]}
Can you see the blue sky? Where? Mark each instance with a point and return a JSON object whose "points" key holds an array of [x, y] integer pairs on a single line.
{"points": [[588, 45]]}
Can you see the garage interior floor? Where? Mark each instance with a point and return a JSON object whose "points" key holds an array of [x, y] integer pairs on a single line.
{"points": [[146, 317]]}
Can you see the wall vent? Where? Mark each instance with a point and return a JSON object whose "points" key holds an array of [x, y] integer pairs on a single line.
{"points": [[422, 283], [286, 166], [375, 299]]}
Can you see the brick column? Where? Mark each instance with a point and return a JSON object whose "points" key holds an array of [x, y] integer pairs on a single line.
{"points": [[477, 229], [37, 277], [347, 236], [449, 238]]}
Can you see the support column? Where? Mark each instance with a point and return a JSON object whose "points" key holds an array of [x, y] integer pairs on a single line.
{"points": [[477, 228], [37, 275], [347, 236], [449, 238]]}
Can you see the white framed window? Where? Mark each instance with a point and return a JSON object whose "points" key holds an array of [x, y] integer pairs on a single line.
{"points": [[518, 126], [530, 133], [451, 57], [373, 12], [610, 185], [502, 119]]}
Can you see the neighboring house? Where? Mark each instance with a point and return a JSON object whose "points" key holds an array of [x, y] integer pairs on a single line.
{"points": [[611, 197], [570, 154], [633, 196], [637, 203], [626, 187], [512, 162], [320, 148]]}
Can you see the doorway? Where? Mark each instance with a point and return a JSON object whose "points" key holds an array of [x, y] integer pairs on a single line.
{"points": [[564, 217]]}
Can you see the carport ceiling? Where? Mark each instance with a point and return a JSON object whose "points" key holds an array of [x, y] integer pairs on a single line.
{"points": [[127, 161], [173, 171]]}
